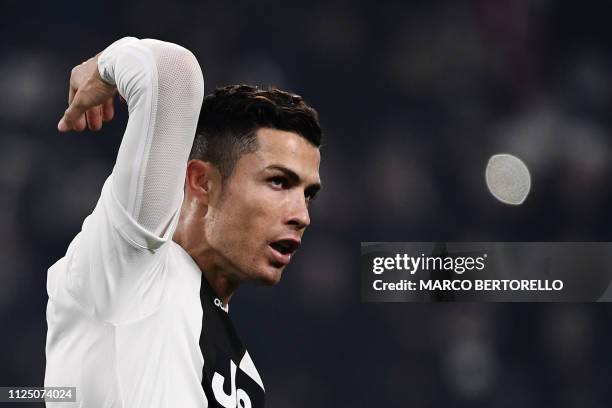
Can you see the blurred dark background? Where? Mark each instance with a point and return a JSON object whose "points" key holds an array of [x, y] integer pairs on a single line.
{"points": [[414, 97]]}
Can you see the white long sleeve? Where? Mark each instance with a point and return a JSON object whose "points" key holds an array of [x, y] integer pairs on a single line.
{"points": [[163, 86], [113, 265], [124, 314]]}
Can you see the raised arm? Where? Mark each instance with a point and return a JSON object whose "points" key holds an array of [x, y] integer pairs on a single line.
{"points": [[163, 86]]}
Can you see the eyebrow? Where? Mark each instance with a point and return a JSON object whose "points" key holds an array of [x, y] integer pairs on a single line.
{"points": [[294, 177]]}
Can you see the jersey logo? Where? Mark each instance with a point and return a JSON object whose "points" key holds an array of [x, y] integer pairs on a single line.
{"points": [[246, 387]]}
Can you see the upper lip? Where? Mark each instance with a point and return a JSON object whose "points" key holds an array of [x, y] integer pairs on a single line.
{"points": [[290, 244]]}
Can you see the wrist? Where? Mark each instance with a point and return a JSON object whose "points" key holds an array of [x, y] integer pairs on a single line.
{"points": [[106, 59]]}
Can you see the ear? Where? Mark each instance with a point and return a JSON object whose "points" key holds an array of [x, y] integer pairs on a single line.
{"points": [[202, 181]]}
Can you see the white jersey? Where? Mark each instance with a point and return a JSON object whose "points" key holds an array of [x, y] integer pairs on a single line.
{"points": [[124, 313]]}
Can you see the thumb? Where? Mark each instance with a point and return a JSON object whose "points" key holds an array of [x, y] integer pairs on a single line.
{"points": [[74, 116], [62, 126]]}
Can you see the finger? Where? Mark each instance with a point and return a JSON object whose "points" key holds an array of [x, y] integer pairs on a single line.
{"points": [[78, 125], [71, 92], [71, 121], [108, 110], [74, 117], [94, 118], [81, 123]]}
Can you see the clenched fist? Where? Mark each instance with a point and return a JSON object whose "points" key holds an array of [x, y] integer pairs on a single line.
{"points": [[90, 99]]}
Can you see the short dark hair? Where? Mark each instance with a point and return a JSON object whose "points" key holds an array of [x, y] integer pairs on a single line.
{"points": [[231, 116]]}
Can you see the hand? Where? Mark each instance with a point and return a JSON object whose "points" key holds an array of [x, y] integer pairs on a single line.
{"points": [[90, 99]]}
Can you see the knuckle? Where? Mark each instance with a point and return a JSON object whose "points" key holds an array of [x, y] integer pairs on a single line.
{"points": [[69, 115], [77, 103]]}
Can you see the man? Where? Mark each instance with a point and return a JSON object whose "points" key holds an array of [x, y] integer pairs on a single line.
{"points": [[137, 310]]}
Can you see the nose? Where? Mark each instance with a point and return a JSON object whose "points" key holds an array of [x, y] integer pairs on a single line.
{"points": [[298, 213]]}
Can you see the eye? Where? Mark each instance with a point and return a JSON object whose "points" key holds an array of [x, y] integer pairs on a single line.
{"points": [[310, 197], [279, 182]]}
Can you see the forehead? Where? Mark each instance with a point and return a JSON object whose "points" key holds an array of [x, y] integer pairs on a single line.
{"points": [[286, 149]]}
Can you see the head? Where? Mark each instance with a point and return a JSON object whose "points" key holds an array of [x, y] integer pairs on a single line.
{"points": [[252, 173]]}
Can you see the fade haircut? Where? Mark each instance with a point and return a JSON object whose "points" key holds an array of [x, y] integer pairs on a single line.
{"points": [[231, 115]]}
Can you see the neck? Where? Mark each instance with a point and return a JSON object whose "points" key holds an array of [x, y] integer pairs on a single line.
{"points": [[221, 281], [223, 286], [218, 279]]}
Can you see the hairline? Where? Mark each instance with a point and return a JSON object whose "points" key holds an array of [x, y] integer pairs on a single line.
{"points": [[252, 146]]}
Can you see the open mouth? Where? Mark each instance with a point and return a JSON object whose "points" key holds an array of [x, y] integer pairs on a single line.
{"points": [[285, 246]]}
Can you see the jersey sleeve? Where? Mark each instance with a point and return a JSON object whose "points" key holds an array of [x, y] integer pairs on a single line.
{"points": [[163, 87], [115, 267]]}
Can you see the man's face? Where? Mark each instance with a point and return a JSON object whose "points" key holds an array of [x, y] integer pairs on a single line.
{"points": [[256, 224]]}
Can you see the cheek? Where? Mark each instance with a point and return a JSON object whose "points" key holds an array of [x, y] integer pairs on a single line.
{"points": [[256, 205], [243, 225], [234, 241], [243, 220]]}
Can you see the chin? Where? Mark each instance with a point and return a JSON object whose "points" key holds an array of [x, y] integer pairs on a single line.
{"points": [[270, 275]]}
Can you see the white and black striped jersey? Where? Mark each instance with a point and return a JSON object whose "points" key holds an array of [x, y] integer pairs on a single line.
{"points": [[126, 320]]}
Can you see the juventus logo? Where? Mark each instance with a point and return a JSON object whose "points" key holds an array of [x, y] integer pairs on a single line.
{"points": [[241, 392]]}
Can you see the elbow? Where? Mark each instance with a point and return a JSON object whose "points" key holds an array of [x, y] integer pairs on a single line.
{"points": [[181, 70]]}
